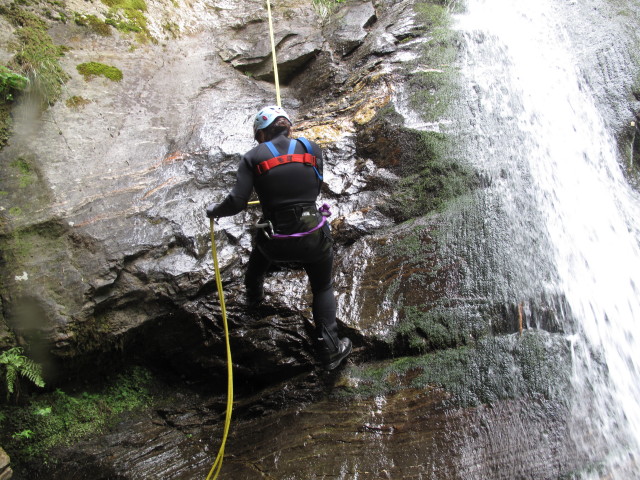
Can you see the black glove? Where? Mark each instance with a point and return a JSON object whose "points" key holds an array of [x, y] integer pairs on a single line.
{"points": [[211, 211]]}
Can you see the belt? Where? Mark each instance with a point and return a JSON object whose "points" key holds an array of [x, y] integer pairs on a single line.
{"points": [[267, 226]]}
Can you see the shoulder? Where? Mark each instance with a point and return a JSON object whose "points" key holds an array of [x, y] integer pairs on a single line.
{"points": [[316, 148], [253, 151], [255, 155]]}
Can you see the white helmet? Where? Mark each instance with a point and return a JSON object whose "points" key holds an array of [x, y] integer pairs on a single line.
{"points": [[267, 115]]}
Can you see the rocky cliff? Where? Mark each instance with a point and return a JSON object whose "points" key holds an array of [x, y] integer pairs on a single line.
{"points": [[106, 255]]}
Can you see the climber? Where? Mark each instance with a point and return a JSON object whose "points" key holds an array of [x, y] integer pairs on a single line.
{"points": [[287, 176]]}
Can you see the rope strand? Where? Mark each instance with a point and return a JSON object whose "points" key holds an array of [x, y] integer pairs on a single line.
{"points": [[217, 465], [273, 55]]}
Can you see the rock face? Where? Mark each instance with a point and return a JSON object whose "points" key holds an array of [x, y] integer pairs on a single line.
{"points": [[106, 248], [5, 470], [106, 251]]}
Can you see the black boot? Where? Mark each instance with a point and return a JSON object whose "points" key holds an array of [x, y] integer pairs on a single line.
{"points": [[254, 297], [331, 357]]}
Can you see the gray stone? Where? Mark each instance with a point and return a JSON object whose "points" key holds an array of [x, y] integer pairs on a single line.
{"points": [[5, 470], [297, 40], [347, 28]]}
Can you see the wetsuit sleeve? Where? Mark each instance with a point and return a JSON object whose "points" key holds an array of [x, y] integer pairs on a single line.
{"points": [[237, 199]]}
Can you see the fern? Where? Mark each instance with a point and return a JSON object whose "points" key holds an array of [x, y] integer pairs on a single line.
{"points": [[15, 363]]}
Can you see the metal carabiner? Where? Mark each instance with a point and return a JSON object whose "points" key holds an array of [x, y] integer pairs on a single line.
{"points": [[264, 227]]}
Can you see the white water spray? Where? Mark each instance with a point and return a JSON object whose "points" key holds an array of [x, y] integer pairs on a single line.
{"points": [[591, 214]]}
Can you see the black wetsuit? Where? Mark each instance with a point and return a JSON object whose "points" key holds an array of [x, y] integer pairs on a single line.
{"points": [[287, 196]]}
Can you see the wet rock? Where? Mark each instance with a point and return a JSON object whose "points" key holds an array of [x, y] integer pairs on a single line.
{"points": [[109, 260], [347, 28], [297, 40], [405, 434]]}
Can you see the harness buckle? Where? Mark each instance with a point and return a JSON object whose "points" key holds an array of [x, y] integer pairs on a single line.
{"points": [[264, 227]]}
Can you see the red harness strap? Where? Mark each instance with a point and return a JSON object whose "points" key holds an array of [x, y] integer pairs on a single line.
{"points": [[306, 158]]}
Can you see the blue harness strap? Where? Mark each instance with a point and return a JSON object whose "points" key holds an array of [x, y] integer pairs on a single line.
{"points": [[309, 148], [292, 148], [307, 144], [273, 150]]}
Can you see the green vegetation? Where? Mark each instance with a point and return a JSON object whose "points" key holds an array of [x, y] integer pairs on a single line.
{"points": [[36, 59], [95, 69], [27, 176], [431, 174], [325, 7], [13, 363], [58, 418], [433, 81], [439, 179], [172, 28], [37, 56], [11, 82], [423, 331], [496, 368], [129, 16], [5, 122], [76, 102], [92, 22]]}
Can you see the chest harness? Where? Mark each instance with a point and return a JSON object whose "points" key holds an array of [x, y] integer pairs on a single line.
{"points": [[305, 158]]}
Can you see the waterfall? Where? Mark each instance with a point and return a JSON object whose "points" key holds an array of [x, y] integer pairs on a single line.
{"points": [[531, 100]]}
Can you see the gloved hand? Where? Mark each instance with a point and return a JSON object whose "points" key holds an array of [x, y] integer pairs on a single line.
{"points": [[211, 210]]}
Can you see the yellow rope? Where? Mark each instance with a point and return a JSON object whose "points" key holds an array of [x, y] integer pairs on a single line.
{"points": [[273, 55], [217, 465]]}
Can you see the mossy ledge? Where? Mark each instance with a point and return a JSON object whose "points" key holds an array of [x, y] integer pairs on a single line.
{"points": [[95, 69], [36, 58], [54, 419]]}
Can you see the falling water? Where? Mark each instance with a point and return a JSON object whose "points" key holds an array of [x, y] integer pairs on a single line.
{"points": [[546, 130]]}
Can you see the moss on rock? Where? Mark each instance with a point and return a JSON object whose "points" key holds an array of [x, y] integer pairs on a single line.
{"points": [[430, 176], [493, 368], [92, 22], [129, 16], [37, 57], [59, 418], [96, 69], [76, 102]]}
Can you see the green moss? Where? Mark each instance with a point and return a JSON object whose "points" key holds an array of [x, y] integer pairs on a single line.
{"points": [[171, 28], [58, 418], [36, 55], [433, 76], [15, 211], [436, 178], [36, 59], [76, 102], [5, 122], [325, 7], [92, 22], [26, 174], [129, 16], [94, 69], [434, 329], [495, 368]]}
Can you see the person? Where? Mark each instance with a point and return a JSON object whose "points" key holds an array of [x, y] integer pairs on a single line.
{"points": [[287, 176]]}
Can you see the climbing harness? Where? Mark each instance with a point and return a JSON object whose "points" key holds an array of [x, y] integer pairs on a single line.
{"points": [[305, 158], [324, 211], [217, 465]]}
